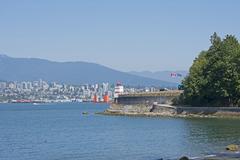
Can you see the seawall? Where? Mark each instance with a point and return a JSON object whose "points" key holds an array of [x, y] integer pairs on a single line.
{"points": [[160, 104], [172, 111], [163, 97]]}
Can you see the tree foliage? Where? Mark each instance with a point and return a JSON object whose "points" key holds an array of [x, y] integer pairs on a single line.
{"points": [[214, 77]]}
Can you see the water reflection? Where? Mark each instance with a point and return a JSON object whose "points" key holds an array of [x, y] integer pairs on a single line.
{"points": [[211, 135]]}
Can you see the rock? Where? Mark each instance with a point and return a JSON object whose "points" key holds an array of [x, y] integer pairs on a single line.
{"points": [[84, 112], [184, 158], [232, 147]]}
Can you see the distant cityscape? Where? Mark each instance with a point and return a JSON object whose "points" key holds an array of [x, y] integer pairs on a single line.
{"points": [[40, 91]]}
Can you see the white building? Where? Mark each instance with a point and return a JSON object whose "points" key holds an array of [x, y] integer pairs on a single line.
{"points": [[119, 89]]}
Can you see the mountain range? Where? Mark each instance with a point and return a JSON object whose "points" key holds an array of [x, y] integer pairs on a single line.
{"points": [[30, 69]]}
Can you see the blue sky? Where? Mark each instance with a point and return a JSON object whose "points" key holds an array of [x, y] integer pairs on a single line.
{"points": [[123, 34]]}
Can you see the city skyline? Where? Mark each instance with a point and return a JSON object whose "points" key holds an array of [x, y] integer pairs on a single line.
{"points": [[40, 91], [125, 35]]}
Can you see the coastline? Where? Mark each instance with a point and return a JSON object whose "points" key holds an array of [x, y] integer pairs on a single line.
{"points": [[163, 110]]}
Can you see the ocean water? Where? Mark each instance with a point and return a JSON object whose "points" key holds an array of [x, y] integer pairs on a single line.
{"points": [[62, 132]]}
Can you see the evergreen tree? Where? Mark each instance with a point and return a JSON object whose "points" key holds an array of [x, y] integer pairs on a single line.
{"points": [[214, 77]]}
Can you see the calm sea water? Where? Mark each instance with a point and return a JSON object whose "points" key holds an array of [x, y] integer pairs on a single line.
{"points": [[62, 132]]}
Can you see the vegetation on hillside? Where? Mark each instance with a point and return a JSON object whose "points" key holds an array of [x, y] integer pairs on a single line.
{"points": [[214, 77]]}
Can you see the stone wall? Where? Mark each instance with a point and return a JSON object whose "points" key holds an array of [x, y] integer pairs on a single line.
{"points": [[208, 110], [168, 110], [159, 103], [163, 97], [144, 100], [140, 108]]}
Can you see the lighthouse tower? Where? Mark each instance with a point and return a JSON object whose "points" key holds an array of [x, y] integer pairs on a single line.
{"points": [[118, 90]]}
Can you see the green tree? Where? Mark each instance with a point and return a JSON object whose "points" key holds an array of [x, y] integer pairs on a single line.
{"points": [[214, 77]]}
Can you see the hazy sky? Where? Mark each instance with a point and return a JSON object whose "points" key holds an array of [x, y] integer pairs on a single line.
{"points": [[122, 34]]}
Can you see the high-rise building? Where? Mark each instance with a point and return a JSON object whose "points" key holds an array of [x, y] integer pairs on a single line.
{"points": [[29, 85], [105, 87], [3, 85], [12, 85], [24, 85]]}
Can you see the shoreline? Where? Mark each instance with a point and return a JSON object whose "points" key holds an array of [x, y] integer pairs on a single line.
{"points": [[168, 116], [107, 113], [161, 110]]}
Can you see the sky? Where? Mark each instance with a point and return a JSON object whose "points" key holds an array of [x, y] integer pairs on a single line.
{"points": [[127, 35]]}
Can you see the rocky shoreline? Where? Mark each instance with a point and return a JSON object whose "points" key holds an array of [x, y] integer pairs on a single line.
{"points": [[165, 110]]}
